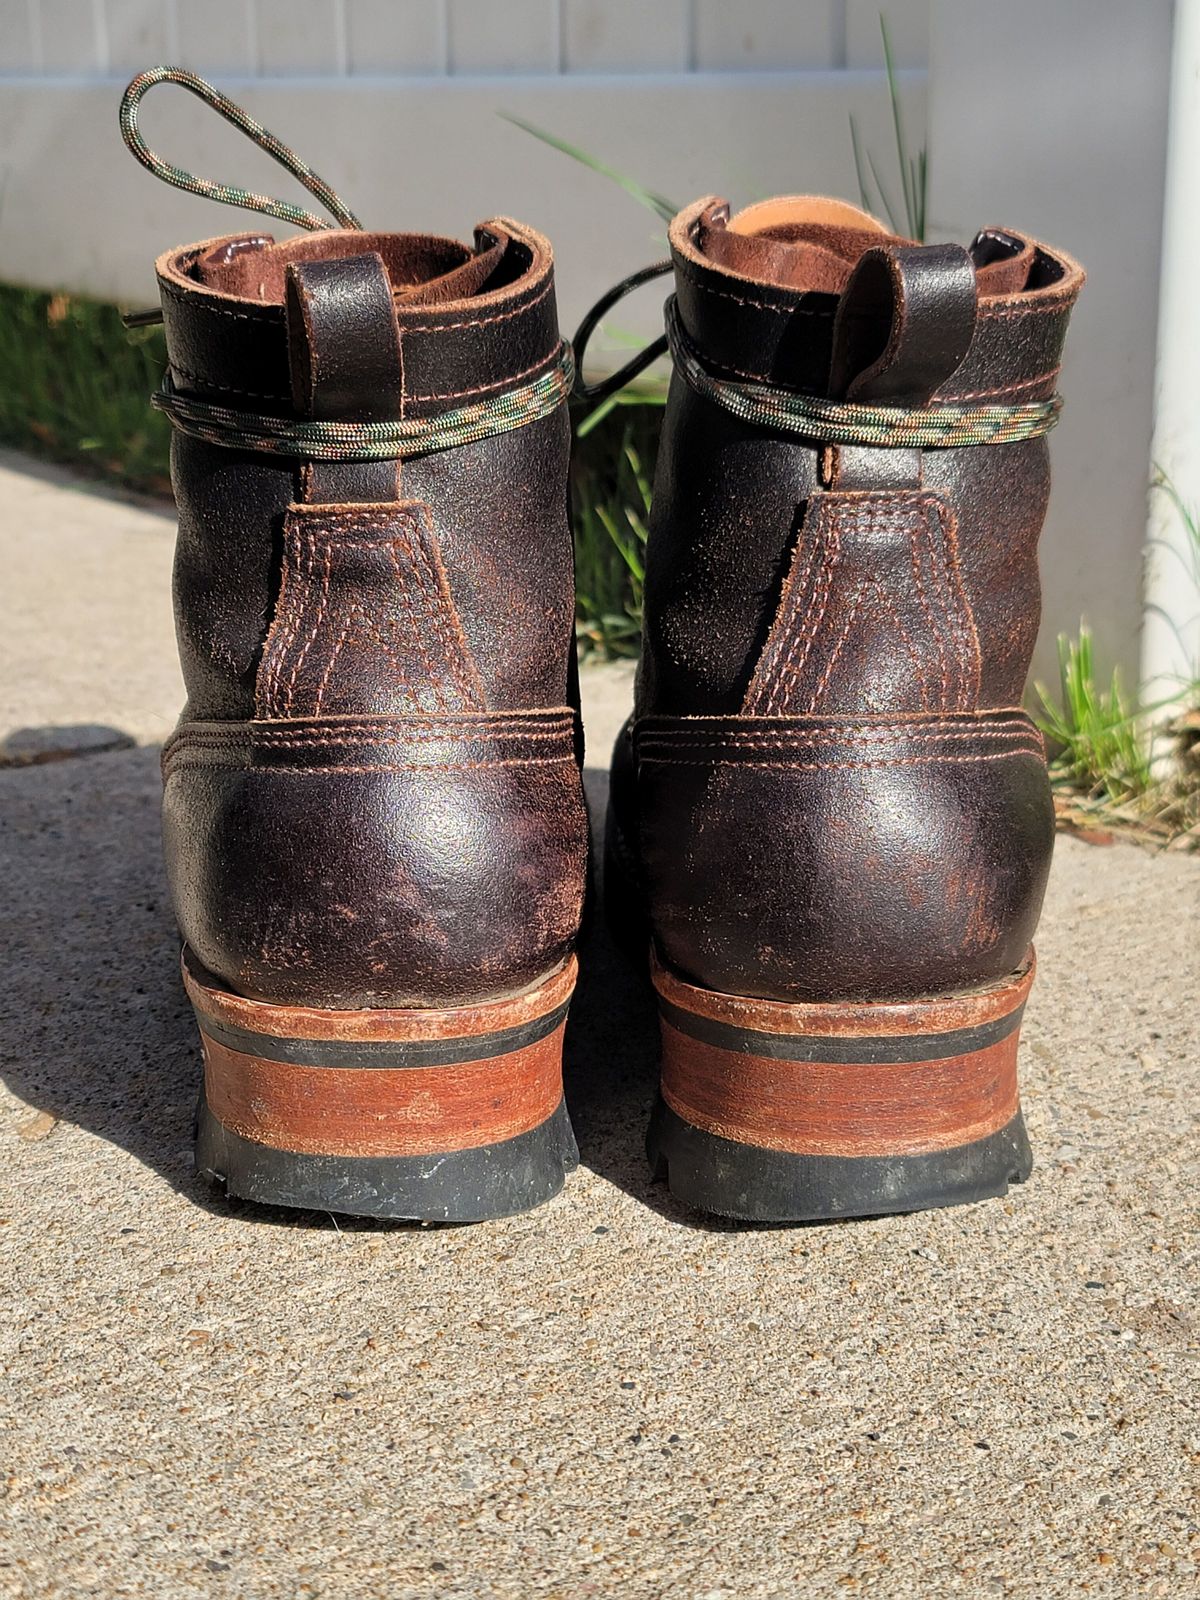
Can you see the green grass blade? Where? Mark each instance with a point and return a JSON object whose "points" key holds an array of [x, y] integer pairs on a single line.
{"points": [[860, 169], [657, 203]]}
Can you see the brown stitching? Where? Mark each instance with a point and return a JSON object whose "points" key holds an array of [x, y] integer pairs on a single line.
{"points": [[972, 675], [764, 683], [195, 302], [302, 576], [407, 587], [910, 648], [1046, 308], [955, 634], [371, 734], [920, 524], [828, 543], [899, 721], [954, 396], [326, 576], [1029, 735], [226, 388], [359, 614], [762, 305], [289, 609], [447, 766], [482, 322], [482, 388], [837, 766], [319, 744], [840, 645], [447, 621]]}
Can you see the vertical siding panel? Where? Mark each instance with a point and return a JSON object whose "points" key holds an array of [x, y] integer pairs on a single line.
{"points": [[518, 36], [626, 35], [764, 35]]}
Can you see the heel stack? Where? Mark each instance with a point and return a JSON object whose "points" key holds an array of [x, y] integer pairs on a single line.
{"points": [[777, 1112], [454, 1115]]}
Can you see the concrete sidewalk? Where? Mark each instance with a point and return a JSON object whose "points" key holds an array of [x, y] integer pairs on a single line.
{"points": [[610, 1396]]}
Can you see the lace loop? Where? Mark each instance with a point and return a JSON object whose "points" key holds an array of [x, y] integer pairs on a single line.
{"points": [[593, 393], [224, 193]]}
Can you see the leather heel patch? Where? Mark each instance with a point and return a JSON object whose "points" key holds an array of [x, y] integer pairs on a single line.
{"points": [[365, 623], [873, 618]]}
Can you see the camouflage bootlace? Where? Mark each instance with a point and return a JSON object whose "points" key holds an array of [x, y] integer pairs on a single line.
{"points": [[940, 427], [229, 194], [946, 426], [369, 441], [288, 436]]}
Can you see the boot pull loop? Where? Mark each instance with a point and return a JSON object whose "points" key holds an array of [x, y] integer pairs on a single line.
{"points": [[229, 194], [904, 324], [593, 393], [346, 365]]}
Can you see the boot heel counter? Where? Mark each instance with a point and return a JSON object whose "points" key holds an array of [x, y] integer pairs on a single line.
{"points": [[364, 862], [809, 858]]}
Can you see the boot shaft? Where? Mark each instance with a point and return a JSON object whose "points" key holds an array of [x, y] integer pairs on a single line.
{"points": [[475, 585], [933, 589], [829, 786]]}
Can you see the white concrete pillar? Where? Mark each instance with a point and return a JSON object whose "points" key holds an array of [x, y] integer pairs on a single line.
{"points": [[1171, 634]]}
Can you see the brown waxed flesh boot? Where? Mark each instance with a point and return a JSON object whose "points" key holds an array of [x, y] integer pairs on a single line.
{"points": [[829, 806], [373, 814]]}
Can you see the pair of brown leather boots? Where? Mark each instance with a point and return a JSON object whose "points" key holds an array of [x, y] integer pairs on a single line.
{"points": [[830, 821]]}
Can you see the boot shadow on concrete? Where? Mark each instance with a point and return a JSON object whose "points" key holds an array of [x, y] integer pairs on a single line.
{"points": [[95, 1027]]}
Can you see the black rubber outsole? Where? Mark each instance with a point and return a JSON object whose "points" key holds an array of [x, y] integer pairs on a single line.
{"points": [[729, 1179], [479, 1185]]}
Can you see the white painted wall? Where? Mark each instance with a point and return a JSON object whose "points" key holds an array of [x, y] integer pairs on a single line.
{"points": [[396, 101], [1050, 115], [1047, 115]]}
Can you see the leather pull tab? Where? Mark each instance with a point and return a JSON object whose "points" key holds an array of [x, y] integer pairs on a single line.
{"points": [[346, 365], [904, 324]]}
